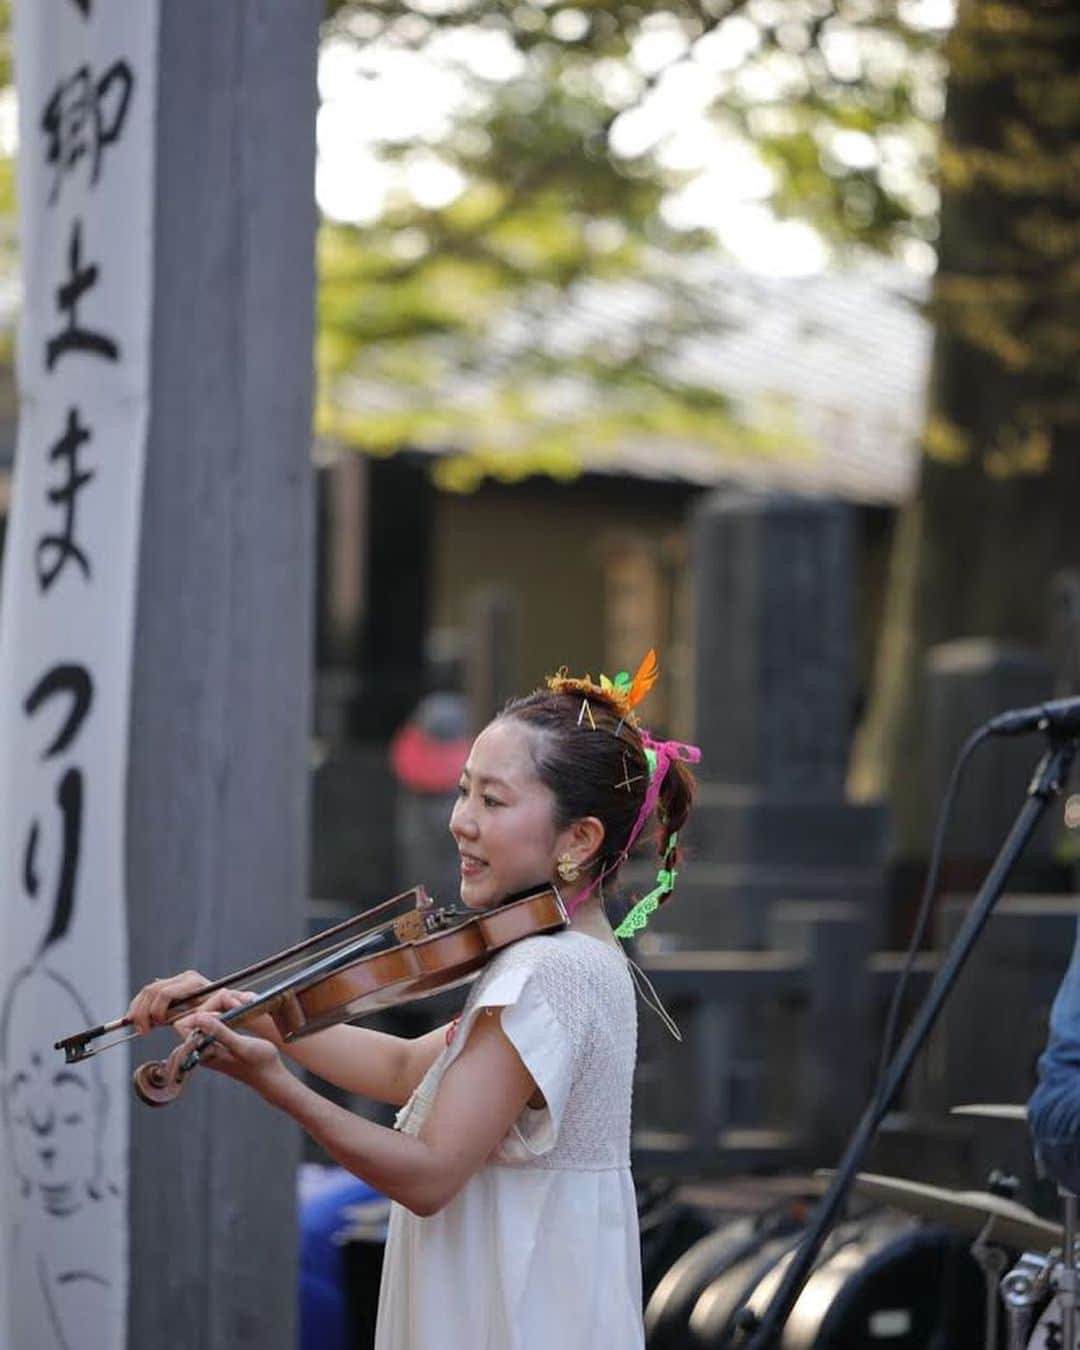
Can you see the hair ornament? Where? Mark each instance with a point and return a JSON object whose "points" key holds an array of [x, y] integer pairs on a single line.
{"points": [[626, 691], [629, 779], [640, 914], [645, 677], [659, 755], [586, 711]]}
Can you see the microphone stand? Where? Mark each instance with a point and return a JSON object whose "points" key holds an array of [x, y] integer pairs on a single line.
{"points": [[1047, 782]]}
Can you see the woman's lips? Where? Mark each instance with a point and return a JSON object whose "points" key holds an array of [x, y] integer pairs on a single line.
{"points": [[471, 866]]}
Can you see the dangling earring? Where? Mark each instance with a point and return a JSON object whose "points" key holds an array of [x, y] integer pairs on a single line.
{"points": [[567, 868]]}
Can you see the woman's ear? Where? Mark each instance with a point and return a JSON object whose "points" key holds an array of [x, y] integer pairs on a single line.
{"points": [[584, 839]]}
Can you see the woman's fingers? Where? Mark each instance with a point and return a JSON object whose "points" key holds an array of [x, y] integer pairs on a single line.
{"points": [[249, 1059], [238, 1046], [221, 1001], [242, 1049], [150, 1006]]}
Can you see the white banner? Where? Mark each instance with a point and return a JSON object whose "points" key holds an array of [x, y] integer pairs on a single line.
{"points": [[85, 74]]}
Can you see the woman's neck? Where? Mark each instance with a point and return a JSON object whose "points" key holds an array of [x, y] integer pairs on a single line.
{"points": [[589, 918]]}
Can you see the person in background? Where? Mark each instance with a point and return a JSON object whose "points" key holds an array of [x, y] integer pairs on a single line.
{"points": [[1054, 1106]]}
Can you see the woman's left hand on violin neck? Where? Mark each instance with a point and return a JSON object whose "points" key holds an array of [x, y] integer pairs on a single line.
{"points": [[250, 1059]]}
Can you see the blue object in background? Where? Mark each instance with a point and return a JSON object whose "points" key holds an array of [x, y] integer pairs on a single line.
{"points": [[1054, 1107], [329, 1199]]}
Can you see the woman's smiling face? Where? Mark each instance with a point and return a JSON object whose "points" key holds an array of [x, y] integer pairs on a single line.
{"points": [[504, 819]]}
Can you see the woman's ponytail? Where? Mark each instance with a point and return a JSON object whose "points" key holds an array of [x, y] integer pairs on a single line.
{"points": [[673, 809]]}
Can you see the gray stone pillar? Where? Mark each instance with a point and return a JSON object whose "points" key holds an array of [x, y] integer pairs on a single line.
{"points": [[218, 774]]}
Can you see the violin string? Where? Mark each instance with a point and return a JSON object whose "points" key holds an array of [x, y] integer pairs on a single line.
{"points": [[274, 973], [274, 963]]}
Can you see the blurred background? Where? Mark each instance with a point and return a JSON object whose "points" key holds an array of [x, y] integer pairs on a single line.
{"points": [[748, 330]]}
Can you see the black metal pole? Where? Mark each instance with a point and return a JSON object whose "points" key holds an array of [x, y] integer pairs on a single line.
{"points": [[1047, 782]]}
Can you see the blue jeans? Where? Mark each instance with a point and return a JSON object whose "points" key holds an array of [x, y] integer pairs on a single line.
{"points": [[1054, 1108]]}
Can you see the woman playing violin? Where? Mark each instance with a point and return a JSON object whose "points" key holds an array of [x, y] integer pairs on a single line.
{"points": [[515, 1222]]}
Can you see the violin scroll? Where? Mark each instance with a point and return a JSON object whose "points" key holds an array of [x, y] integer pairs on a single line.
{"points": [[160, 1081], [152, 1085]]}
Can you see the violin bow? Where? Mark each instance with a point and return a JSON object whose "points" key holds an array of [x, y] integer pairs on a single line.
{"points": [[76, 1048]]}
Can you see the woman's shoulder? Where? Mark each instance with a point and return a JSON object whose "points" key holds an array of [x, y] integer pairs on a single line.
{"points": [[556, 960], [564, 948]]}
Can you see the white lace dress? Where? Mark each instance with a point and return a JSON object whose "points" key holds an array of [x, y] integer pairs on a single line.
{"points": [[540, 1248]]}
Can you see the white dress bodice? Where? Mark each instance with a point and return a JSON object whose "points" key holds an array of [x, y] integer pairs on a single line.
{"points": [[541, 1245]]}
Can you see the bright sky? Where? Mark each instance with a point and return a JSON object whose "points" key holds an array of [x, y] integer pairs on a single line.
{"points": [[371, 97]]}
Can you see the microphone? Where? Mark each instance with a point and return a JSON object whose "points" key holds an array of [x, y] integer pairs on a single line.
{"points": [[1058, 716]]}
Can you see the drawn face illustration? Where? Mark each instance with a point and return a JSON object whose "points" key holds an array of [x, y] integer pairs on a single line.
{"points": [[53, 1112]]}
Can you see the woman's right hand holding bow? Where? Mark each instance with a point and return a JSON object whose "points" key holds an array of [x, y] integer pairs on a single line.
{"points": [[155, 1005]]}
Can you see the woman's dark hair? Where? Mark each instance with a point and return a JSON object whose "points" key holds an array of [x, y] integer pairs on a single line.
{"points": [[594, 763]]}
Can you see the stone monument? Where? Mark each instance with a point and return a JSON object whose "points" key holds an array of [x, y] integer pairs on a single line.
{"points": [[774, 706]]}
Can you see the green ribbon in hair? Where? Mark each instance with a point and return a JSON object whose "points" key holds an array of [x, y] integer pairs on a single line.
{"points": [[639, 916]]}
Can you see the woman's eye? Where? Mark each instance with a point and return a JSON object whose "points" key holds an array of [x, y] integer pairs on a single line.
{"points": [[462, 790], [491, 801]]}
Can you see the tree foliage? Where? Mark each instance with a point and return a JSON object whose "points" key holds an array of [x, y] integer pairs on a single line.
{"points": [[994, 517], [445, 324], [1009, 280]]}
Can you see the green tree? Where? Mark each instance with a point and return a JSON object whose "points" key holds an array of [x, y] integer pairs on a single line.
{"points": [[995, 514], [562, 188]]}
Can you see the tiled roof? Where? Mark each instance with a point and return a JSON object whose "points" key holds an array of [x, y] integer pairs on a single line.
{"points": [[840, 359]]}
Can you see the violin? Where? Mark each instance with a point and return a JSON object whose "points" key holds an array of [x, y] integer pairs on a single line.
{"points": [[341, 974]]}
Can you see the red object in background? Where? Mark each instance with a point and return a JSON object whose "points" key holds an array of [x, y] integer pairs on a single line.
{"points": [[429, 751]]}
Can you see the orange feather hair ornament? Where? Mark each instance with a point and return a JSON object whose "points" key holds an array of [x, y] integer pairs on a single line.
{"points": [[644, 678], [625, 692]]}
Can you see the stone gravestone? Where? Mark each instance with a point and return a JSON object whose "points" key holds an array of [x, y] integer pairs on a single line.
{"points": [[993, 1025], [771, 829], [774, 682], [968, 682], [984, 1049]]}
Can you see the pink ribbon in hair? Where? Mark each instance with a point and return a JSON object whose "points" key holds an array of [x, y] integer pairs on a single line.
{"points": [[659, 754]]}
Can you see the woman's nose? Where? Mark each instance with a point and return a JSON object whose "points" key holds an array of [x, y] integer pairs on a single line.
{"points": [[461, 821]]}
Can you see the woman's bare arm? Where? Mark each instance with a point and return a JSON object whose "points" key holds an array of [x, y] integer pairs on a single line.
{"points": [[480, 1097], [367, 1063]]}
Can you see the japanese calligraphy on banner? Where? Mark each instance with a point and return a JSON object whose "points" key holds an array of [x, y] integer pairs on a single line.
{"points": [[85, 75]]}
